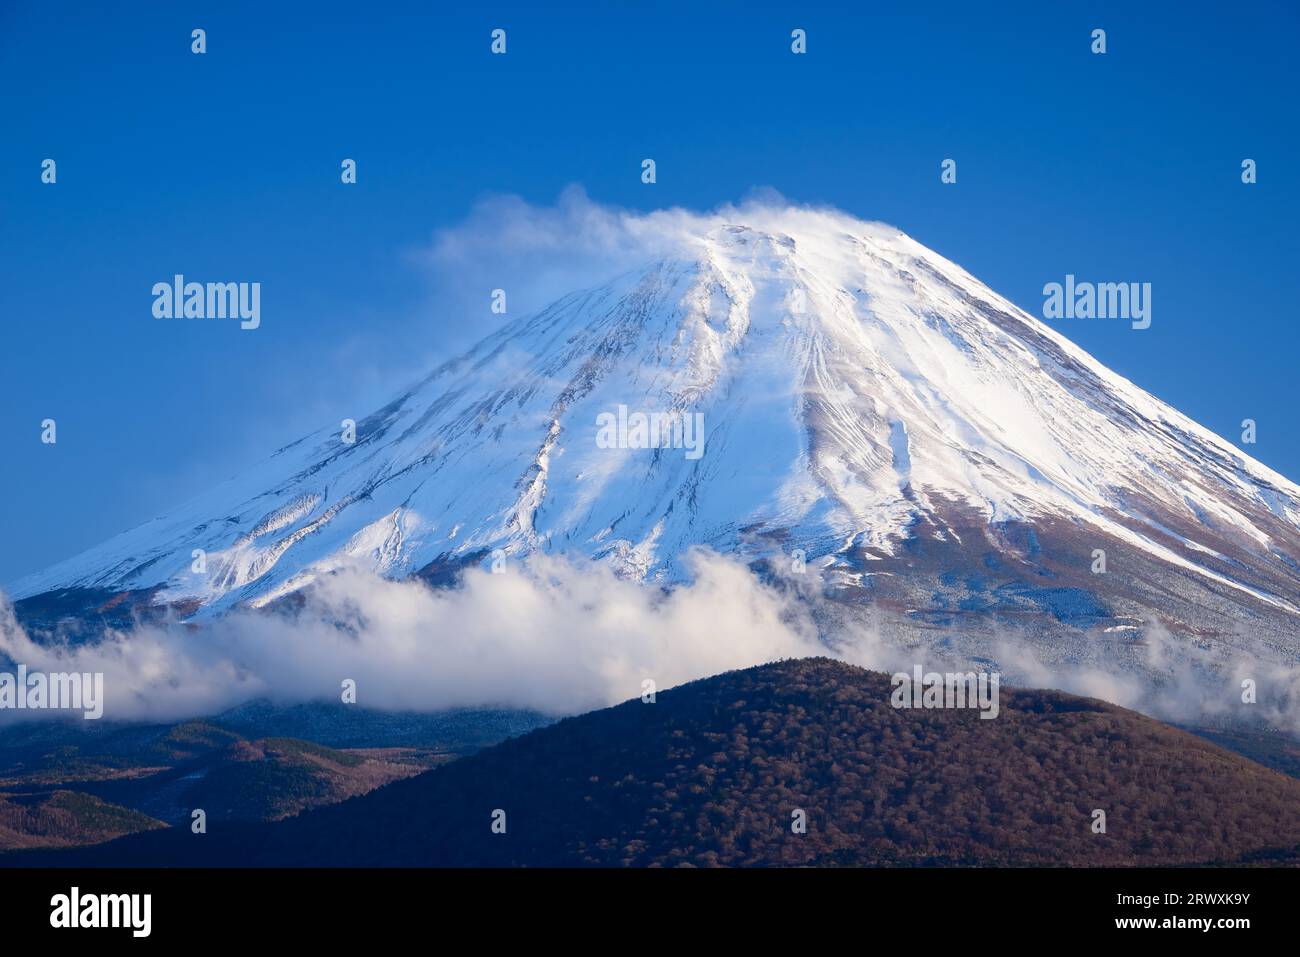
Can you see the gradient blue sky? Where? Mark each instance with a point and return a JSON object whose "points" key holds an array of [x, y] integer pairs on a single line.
{"points": [[225, 166]]}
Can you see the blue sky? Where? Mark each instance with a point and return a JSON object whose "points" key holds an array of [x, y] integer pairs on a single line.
{"points": [[226, 166]]}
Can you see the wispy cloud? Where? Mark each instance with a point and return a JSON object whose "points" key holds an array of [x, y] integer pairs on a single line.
{"points": [[564, 637], [545, 634], [538, 253]]}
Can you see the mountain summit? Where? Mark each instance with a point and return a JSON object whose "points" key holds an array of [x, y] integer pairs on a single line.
{"points": [[815, 388]]}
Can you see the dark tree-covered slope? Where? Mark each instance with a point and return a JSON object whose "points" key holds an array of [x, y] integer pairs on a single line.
{"points": [[713, 771]]}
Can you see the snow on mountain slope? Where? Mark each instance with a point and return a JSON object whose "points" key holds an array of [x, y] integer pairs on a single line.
{"points": [[857, 391]]}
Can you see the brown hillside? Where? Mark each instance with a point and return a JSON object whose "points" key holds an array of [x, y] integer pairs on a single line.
{"points": [[711, 773]]}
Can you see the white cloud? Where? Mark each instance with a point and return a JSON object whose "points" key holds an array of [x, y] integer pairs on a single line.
{"points": [[546, 634], [539, 253], [565, 637]]}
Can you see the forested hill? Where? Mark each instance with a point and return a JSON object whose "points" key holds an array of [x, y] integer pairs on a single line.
{"points": [[713, 773]]}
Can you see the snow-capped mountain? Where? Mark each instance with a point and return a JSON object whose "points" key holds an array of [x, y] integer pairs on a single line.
{"points": [[865, 404]]}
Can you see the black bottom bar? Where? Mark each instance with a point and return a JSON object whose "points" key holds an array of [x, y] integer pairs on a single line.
{"points": [[334, 906]]}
